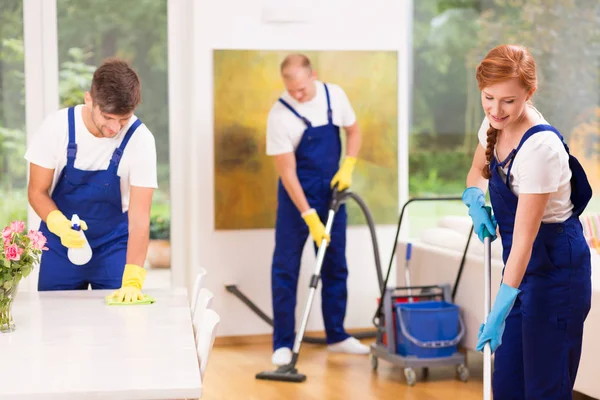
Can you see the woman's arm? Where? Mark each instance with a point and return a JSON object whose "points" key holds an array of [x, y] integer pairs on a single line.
{"points": [[474, 197], [530, 211]]}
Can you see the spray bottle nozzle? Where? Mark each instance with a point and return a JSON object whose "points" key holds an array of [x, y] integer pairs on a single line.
{"points": [[76, 222]]}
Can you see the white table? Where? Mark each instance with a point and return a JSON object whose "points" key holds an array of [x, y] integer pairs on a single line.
{"points": [[70, 345]]}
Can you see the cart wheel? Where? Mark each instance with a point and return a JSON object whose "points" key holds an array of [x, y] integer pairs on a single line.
{"points": [[425, 372], [463, 372], [411, 376], [374, 362]]}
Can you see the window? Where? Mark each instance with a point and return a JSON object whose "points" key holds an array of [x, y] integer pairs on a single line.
{"points": [[13, 167], [449, 38], [90, 31]]}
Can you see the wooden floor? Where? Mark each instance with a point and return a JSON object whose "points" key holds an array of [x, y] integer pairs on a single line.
{"points": [[231, 376], [231, 370]]}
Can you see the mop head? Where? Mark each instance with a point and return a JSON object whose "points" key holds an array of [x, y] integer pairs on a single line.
{"points": [[112, 302], [285, 373]]}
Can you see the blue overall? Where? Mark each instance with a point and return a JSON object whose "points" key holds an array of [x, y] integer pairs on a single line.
{"points": [[96, 197], [541, 345], [317, 161]]}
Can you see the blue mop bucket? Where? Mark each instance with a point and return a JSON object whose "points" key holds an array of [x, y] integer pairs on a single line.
{"points": [[428, 329]]}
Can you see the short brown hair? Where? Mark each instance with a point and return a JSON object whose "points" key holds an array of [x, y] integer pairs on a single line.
{"points": [[116, 87], [295, 60]]}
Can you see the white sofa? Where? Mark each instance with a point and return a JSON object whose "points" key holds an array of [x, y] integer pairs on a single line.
{"points": [[435, 259]]}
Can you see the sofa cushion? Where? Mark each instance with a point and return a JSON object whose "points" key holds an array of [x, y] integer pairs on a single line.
{"points": [[458, 223], [449, 238], [446, 238]]}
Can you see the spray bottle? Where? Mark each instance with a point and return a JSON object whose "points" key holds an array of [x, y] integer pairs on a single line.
{"points": [[82, 255]]}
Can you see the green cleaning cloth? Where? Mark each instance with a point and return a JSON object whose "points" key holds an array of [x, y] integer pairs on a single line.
{"points": [[146, 300]]}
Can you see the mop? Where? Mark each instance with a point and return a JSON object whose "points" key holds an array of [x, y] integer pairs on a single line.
{"points": [[487, 351], [289, 372]]}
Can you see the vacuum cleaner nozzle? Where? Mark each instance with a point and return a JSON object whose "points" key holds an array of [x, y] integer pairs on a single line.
{"points": [[285, 373]]}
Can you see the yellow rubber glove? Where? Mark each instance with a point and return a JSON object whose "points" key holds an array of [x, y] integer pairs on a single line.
{"points": [[344, 175], [131, 286], [61, 227], [315, 226]]}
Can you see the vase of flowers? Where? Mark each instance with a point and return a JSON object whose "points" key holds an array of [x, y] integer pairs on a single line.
{"points": [[19, 253]]}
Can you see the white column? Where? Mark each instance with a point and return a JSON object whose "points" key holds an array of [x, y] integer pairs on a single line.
{"points": [[41, 61], [405, 85], [180, 54], [41, 77]]}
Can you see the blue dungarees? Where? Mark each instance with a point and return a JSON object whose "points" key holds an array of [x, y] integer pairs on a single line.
{"points": [[541, 345], [317, 161], [96, 197]]}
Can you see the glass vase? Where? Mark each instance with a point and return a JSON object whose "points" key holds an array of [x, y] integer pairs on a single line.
{"points": [[7, 323]]}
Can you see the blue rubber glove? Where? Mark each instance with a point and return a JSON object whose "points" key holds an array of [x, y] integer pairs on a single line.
{"points": [[474, 199], [493, 329]]}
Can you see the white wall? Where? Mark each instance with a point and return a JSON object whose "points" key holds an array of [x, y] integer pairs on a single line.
{"points": [[244, 257]]}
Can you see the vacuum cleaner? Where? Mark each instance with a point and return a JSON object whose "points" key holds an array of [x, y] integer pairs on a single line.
{"points": [[339, 197], [289, 373]]}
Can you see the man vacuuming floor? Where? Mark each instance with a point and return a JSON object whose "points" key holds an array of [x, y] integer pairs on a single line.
{"points": [[303, 135]]}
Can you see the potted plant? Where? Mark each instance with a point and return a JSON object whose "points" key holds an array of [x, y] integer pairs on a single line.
{"points": [[18, 255], [159, 247]]}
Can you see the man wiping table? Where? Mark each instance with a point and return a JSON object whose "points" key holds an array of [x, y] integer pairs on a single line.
{"points": [[96, 160]]}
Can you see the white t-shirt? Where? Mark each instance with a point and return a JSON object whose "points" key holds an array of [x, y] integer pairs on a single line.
{"points": [[540, 166], [284, 129], [48, 149]]}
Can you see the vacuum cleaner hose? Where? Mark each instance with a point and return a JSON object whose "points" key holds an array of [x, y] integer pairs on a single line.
{"points": [[371, 225]]}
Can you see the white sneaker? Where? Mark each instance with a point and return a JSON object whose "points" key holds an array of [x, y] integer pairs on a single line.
{"points": [[282, 356], [350, 346]]}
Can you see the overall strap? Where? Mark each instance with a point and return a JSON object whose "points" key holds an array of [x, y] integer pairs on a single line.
{"points": [[530, 132], [116, 157], [539, 128], [72, 146], [306, 121], [329, 113], [503, 164]]}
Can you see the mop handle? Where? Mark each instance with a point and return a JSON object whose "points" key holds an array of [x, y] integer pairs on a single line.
{"points": [[487, 351]]}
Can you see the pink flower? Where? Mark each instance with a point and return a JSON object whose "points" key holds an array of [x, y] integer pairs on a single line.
{"points": [[17, 226], [38, 240], [13, 252], [7, 235]]}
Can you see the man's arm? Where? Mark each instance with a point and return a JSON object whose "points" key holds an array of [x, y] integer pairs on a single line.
{"points": [[134, 274], [353, 140], [286, 168], [40, 180], [140, 203], [343, 177]]}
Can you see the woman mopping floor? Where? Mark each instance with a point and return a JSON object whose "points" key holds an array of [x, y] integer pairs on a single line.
{"points": [[538, 191]]}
